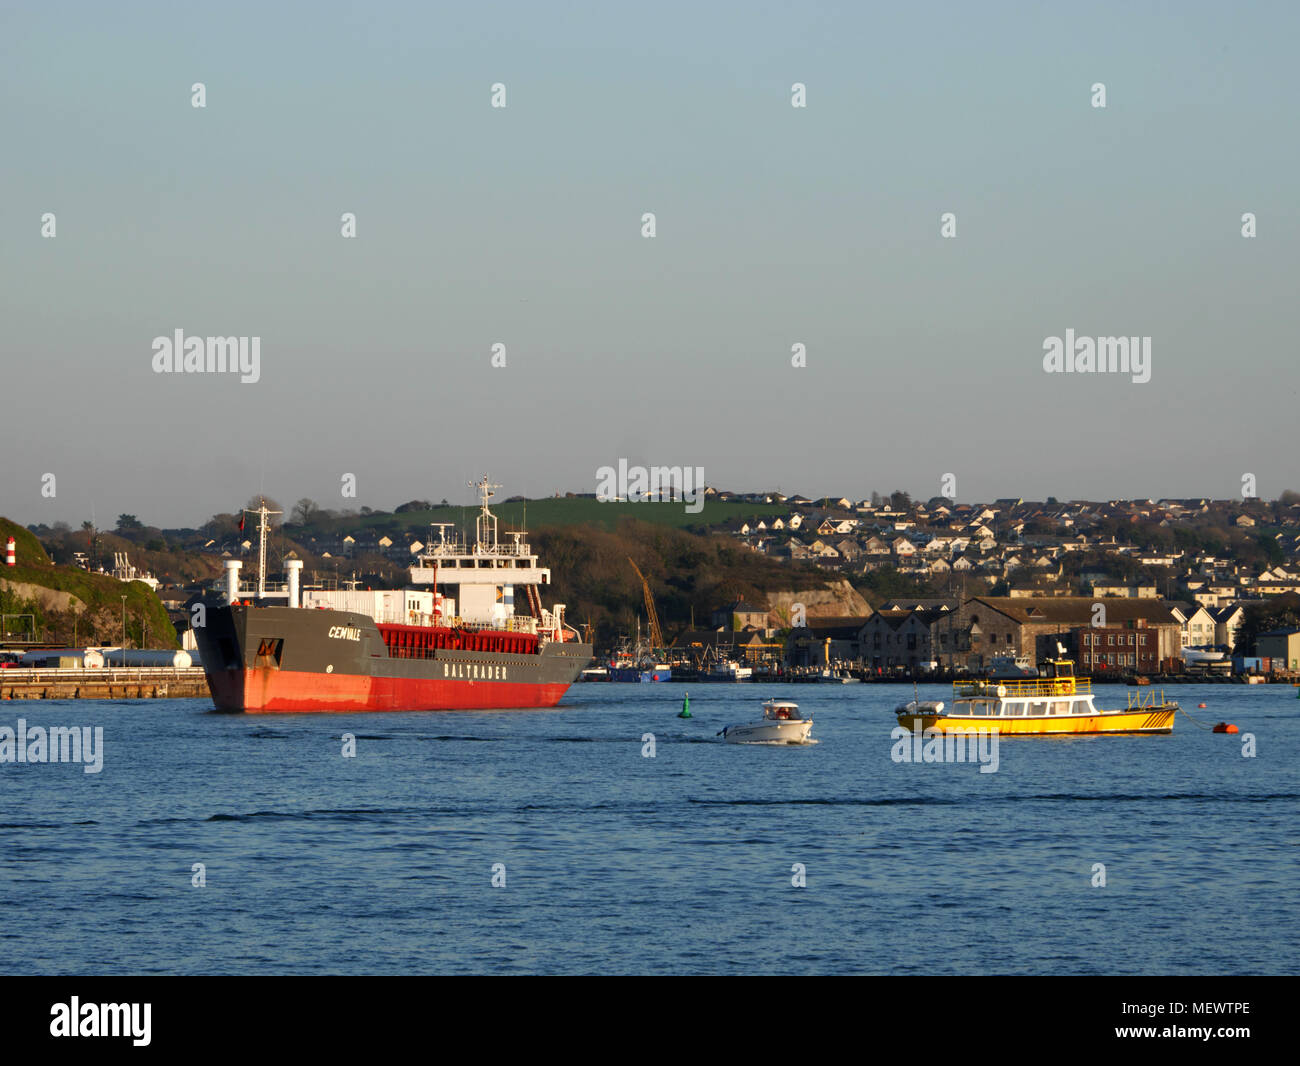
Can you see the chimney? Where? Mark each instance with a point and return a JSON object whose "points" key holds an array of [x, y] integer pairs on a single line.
{"points": [[232, 579], [293, 568]]}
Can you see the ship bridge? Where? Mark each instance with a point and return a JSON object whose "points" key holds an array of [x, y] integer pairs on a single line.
{"points": [[486, 571]]}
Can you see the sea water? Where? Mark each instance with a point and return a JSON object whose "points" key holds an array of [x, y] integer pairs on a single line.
{"points": [[608, 835]]}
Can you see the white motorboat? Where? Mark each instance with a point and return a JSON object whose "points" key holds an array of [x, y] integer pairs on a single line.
{"points": [[1206, 654], [781, 724], [837, 677]]}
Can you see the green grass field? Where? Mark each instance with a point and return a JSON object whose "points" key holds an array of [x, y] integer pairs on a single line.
{"points": [[97, 592]]}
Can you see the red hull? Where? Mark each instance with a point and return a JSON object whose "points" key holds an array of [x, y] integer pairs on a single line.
{"points": [[262, 691]]}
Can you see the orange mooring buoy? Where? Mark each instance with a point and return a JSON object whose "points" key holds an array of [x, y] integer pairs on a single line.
{"points": [[1201, 706], [1225, 727]]}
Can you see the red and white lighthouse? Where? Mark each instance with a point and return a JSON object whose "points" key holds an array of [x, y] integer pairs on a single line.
{"points": [[11, 553]]}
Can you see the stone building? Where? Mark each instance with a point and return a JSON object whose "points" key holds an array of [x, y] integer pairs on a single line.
{"points": [[899, 638], [988, 626], [739, 616]]}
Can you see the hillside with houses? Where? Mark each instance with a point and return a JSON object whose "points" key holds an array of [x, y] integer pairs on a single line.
{"points": [[885, 585], [1125, 586]]}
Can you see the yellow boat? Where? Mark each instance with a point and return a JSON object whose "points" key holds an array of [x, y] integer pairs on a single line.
{"points": [[1047, 706]]}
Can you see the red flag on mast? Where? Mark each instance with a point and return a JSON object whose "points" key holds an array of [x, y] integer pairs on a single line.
{"points": [[241, 521]]}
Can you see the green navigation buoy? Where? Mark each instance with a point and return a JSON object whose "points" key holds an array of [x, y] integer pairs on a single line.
{"points": [[686, 707]]}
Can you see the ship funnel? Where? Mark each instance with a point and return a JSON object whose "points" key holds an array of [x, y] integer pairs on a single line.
{"points": [[232, 579], [292, 568]]}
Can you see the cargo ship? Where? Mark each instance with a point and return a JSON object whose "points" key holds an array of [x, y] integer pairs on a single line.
{"points": [[450, 640]]}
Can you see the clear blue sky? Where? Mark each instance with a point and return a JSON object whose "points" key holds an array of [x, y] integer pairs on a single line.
{"points": [[776, 225]]}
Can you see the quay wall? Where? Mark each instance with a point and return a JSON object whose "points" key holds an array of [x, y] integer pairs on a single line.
{"points": [[103, 684]]}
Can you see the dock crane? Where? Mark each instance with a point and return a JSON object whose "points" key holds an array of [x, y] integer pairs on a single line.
{"points": [[656, 635]]}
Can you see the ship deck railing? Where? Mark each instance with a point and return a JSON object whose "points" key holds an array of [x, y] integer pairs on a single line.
{"points": [[1146, 699], [462, 550], [50, 674], [517, 624], [1042, 687]]}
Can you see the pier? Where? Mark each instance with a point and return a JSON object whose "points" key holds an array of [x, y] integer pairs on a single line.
{"points": [[134, 683]]}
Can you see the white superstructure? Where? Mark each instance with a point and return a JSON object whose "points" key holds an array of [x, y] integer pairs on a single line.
{"points": [[489, 574], [453, 583]]}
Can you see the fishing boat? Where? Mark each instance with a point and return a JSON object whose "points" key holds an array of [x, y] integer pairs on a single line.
{"points": [[727, 670], [782, 723], [638, 663], [639, 670], [1057, 704]]}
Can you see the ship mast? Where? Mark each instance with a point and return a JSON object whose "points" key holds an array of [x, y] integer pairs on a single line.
{"points": [[263, 527], [485, 528]]}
